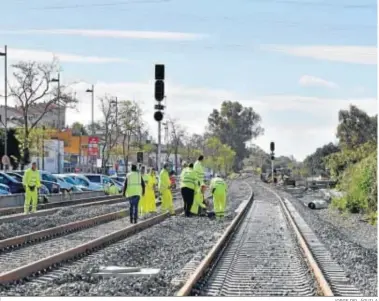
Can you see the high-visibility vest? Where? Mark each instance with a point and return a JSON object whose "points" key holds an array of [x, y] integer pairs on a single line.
{"points": [[31, 178], [145, 178], [218, 184], [164, 180], [134, 184], [198, 168], [188, 178]]}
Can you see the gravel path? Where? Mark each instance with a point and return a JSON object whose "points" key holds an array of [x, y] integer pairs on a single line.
{"points": [[351, 243], [61, 217], [168, 246]]}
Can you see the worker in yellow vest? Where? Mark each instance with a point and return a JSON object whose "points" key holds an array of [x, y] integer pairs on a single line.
{"points": [[32, 182], [113, 189], [219, 189], [142, 205], [164, 187], [199, 169], [134, 189], [188, 184], [150, 192], [198, 201]]}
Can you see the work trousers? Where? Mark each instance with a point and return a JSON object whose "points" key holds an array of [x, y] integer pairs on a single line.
{"points": [[188, 195], [31, 198], [133, 210], [219, 202]]}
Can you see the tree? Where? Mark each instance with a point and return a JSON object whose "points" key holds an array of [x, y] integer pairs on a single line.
{"points": [[315, 163], [355, 127], [219, 157], [130, 122], [35, 96], [109, 127], [78, 129], [193, 146], [13, 148], [175, 139], [234, 125]]}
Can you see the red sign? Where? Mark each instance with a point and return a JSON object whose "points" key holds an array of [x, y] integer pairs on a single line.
{"points": [[93, 146]]}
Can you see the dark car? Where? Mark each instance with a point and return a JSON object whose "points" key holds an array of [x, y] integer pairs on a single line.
{"points": [[51, 185], [14, 185]]}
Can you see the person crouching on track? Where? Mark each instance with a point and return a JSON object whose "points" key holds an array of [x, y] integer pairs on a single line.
{"points": [[219, 190], [32, 183], [165, 190], [198, 200], [134, 189], [188, 184], [113, 189], [150, 193]]}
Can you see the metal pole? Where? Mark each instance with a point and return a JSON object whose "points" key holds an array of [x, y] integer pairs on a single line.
{"points": [[43, 147], [6, 101], [272, 171], [159, 147], [59, 122], [116, 118], [93, 111]]}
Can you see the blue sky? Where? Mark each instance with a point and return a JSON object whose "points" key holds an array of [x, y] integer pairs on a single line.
{"points": [[296, 62]]}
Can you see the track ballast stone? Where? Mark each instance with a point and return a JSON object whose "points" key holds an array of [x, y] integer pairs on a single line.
{"points": [[167, 246], [61, 217], [358, 259]]}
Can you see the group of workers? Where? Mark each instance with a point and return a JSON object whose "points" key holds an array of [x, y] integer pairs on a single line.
{"points": [[139, 189]]}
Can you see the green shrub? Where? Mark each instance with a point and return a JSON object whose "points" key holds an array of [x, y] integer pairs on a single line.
{"points": [[359, 182]]}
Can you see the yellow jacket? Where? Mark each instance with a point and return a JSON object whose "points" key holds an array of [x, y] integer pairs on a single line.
{"points": [[31, 178], [164, 181], [199, 169]]}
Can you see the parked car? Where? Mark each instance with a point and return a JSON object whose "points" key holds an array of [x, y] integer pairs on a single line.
{"points": [[4, 190], [118, 179], [14, 185], [52, 186], [65, 186], [84, 183], [102, 180], [43, 189]]}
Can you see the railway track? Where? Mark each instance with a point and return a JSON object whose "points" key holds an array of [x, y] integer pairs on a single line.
{"points": [[9, 216], [38, 252], [268, 250]]}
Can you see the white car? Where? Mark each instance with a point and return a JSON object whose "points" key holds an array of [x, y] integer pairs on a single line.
{"points": [[85, 184]]}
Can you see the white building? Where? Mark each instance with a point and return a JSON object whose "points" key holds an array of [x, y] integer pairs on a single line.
{"points": [[50, 118], [51, 147]]}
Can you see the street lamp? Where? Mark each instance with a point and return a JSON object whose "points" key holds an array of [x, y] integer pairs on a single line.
{"points": [[92, 109], [43, 147], [4, 54], [58, 80]]}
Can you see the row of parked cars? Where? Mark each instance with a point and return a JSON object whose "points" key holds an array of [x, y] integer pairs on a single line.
{"points": [[11, 182]]}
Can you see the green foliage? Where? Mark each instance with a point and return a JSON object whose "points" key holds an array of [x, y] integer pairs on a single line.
{"points": [[359, 182], [219, 157], [78, 129], [355, 127], [315, 163], [234, 125]]}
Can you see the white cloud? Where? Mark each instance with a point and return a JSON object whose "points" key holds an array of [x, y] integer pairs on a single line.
{"points": [[116, 34], [350, 54], [43, 55], [311, 81]]}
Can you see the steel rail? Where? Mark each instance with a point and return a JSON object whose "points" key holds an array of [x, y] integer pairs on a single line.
{"points": [[206, 262], [110, 201], [204, 266], [86, 248], [47, 263]]}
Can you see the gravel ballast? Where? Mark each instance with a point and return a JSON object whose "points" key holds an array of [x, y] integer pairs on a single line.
{"points": [[351, 242], [61, 217], [168, 246]]}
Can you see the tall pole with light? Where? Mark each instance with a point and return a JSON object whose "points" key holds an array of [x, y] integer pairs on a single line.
{"points": [[5, 55], [159, 96], [92, 91], [58, 80]]}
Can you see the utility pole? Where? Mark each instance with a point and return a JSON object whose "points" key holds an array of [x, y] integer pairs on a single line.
{"points": [[58, 81], [43, 147], [92, 91], [5, 55]]}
